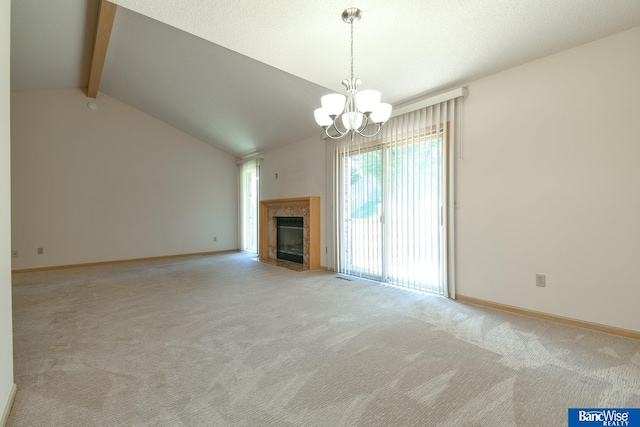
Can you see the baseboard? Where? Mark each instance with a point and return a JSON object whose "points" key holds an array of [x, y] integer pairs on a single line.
{"points": [[566, 320], [7, 407], [120, 261]]}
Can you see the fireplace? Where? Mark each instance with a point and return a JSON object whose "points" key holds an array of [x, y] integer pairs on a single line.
{"points": [[290, 238], [308, 208]]}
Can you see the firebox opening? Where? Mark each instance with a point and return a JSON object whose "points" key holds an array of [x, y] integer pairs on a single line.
{"points": [[290, 238]]}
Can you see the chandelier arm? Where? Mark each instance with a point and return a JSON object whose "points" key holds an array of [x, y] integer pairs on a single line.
{"points": [[335, 127], [373, 134], [364, 124], [340, 134]]}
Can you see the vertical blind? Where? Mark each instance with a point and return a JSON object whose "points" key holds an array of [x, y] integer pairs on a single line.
{"points": [[392, 198]]}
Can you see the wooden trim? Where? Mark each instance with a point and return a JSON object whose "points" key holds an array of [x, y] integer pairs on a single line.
{"points": [[120, 261], [294, 201], [263, 232], [560, 319], [314, 233], [8, 406], [106, 16]]}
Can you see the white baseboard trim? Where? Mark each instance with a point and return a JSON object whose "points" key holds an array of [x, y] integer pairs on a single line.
{"points": [[8, 405]]}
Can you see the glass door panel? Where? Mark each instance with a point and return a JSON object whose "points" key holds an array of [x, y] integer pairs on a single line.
{"points": [[413, 215], [362, 239]]}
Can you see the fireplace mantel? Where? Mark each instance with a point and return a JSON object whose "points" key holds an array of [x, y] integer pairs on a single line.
{"points": [[306, 207]]}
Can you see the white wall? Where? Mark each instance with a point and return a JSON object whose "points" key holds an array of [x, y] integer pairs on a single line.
{"points": [[549, 184], [112, 184], [6, 334], [301, 169]]}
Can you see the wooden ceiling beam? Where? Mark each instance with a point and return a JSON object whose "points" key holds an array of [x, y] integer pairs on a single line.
{"points": [[106, 15]]}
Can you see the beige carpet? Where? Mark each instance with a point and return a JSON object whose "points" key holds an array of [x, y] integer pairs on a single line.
{"points": [[224, 340]]}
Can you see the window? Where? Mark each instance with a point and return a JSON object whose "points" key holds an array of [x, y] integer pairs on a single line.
{"points": [[249, 191]]}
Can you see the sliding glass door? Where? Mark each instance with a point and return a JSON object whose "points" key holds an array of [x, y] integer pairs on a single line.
{"points": [[393, 195]]}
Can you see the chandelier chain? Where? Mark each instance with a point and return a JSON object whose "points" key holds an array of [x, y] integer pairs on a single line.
{"points": [[351, 49]]}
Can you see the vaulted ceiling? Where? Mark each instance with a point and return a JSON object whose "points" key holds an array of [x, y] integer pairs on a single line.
{"points": [[246, 76]]}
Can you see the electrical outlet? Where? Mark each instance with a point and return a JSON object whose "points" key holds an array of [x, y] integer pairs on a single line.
{"points": [[14, 253], [541, 280], [40, 251], [215, 238]]}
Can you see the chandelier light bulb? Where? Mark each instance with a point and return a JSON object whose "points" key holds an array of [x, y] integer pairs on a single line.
{"points": [[333, 104], [368, 100], [352, 121], [356, 111], [322, 117], [381, 113]]}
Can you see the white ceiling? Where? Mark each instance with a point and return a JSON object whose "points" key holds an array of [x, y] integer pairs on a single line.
{"points": [[245, 75]]}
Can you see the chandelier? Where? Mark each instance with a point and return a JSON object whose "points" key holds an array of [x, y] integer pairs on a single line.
{"points": [[357, 110]]}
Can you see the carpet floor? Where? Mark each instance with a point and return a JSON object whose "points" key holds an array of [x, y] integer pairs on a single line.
{"points": [[224, 340]]}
